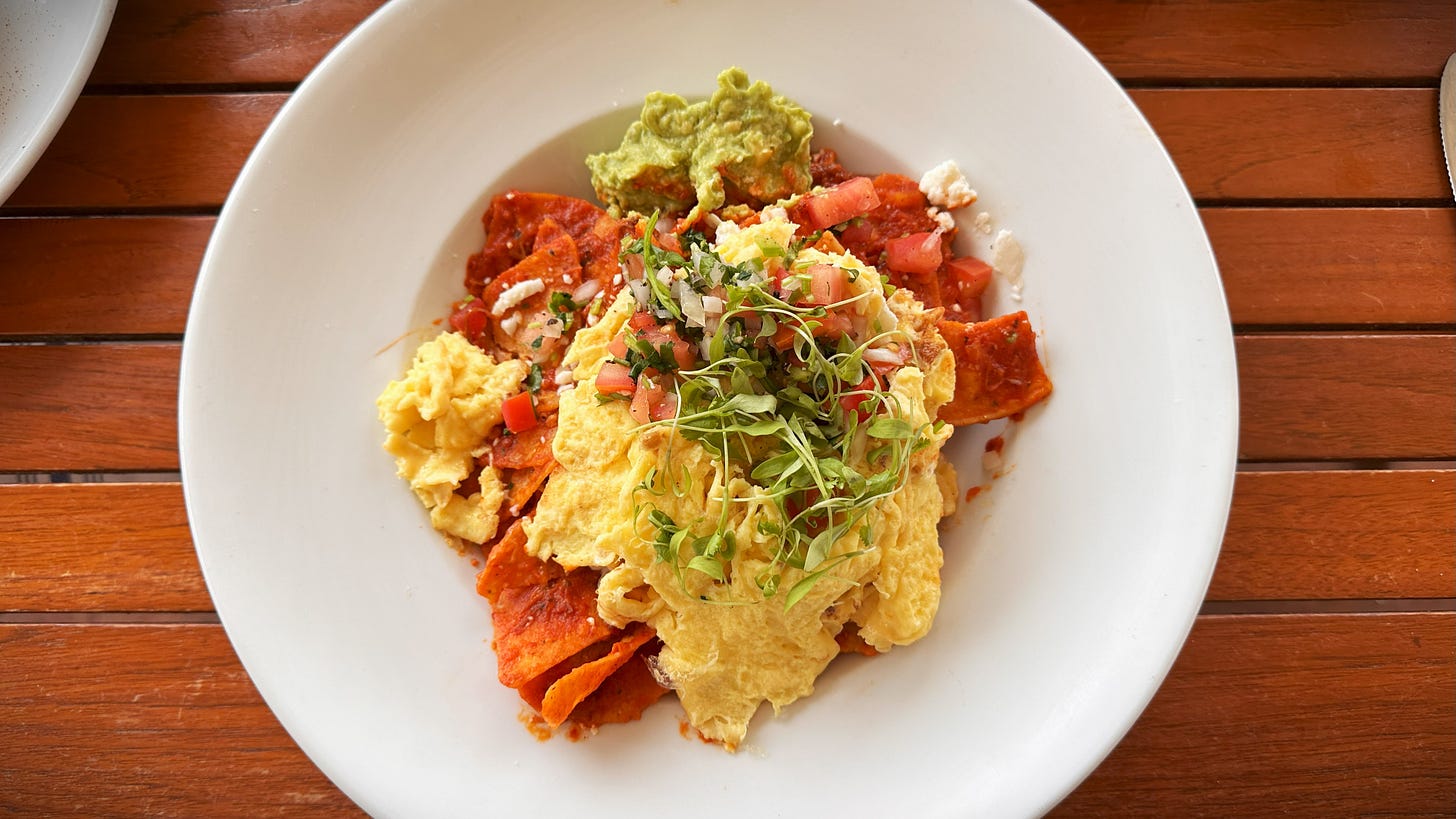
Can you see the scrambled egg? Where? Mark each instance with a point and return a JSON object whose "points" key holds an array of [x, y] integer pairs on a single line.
{"points": [[437, 416], [726, 648]]}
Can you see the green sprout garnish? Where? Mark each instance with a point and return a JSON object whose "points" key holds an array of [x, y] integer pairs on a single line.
{"points": [[807, 423]]}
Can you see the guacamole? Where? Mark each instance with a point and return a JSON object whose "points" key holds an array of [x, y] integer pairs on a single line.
{"points": [[745, 144]]}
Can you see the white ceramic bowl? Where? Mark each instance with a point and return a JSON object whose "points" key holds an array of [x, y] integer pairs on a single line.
{"points": [[47, 48], [1068, 589]]}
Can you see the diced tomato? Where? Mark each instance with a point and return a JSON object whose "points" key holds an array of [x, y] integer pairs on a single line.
{"points": [[969, 275], [469, 318], [618, 348], [518, 413], [827, 284], [641, 320], [783, 336], [615, 378], [916, 253], [665, 409], [839, 204], [832, 325], [851, 402], [683, 352], [649, 395]]}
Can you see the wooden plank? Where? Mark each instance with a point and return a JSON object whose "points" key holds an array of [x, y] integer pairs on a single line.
{"points": [[1301, 143], [183, 151], [1342, 397], [223, 41], [1339, 535], [1292, 715], [1302, 397], [71, 276], [1280, 266], [144, 720], [98, 547], [1291, 536], [1349, 713], [1264, 39], [88, 407], [1285, 266], [279, 41], [160, 151]]}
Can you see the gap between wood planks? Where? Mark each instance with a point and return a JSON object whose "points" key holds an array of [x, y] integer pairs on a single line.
{"points": [[1216, 608]]}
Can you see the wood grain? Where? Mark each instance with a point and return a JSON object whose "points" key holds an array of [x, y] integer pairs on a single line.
{"points": [[1293, 715], [164, 151], [1331, 715], [1302, 397], [1264, 39], [1339, 535], [223, 41], [279, 41], [88, 276], [144, 721], [183, 151], [88, 407], [1291, 536], [1286, 266], [1301, 143], [1341, 397], [98, 547], [1280, 266]]}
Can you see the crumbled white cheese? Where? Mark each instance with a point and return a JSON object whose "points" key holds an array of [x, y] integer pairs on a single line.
{"points": [[1007, 258], [515, 294], [564, 376], [942, 218], [773, 213], [945, 186], [510, 324], [983, 223]]}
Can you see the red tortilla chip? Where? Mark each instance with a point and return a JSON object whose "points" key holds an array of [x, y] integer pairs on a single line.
{"points": [[998, 372], [524, 483], [511, 224], [568, 692], [624, 696], [524, 450], [534, 692], [537, 627], [508, 566]]}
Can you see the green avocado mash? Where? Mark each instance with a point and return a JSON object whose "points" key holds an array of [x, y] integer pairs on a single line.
{"points": [[743, 145]]}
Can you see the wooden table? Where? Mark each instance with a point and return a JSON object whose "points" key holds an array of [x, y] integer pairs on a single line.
{"points": [[1320, 679]]}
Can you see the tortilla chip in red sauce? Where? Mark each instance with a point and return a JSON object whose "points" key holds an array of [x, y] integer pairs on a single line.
{"points": [[998, 372], [509, 566], [624, 695], [568, 691], [538, 626], [524, 449]]}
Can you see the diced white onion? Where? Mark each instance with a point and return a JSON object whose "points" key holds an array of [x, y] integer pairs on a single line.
{"points": [[880, 355], [887, 319], [665, 275], [552, 328], [692, 306], [712, 305], [586, 291], [564, 376], [515, 294], [639, 291], [705, 346]]}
